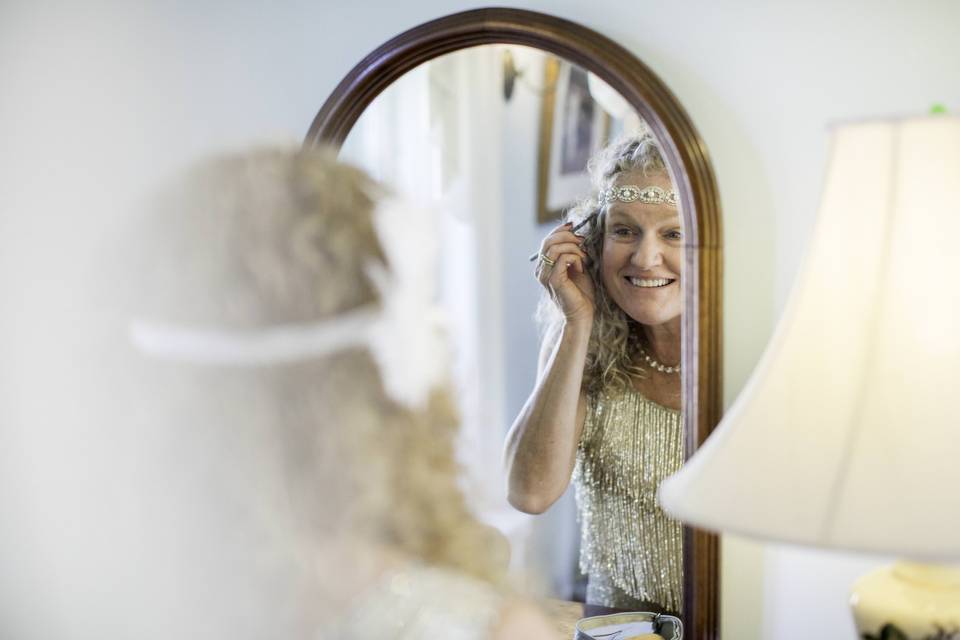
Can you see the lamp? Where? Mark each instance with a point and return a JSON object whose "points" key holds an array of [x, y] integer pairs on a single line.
{"points": [[847, 435], [512, 74]]}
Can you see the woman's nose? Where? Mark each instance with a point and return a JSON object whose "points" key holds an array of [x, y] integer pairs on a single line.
{"points": [[647, 254]]}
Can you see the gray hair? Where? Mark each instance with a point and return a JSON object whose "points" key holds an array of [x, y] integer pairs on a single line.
{"points": [[634, 153]]}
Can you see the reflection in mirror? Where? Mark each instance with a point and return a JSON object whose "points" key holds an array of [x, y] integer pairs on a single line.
{"points": [[497, 140]]}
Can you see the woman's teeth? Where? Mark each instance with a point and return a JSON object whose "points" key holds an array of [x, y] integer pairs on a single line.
{"points": [[658, 282]]}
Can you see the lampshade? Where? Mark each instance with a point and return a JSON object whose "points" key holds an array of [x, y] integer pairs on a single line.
{"points": [[848, 433]]}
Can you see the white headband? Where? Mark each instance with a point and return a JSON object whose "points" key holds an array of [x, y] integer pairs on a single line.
{"points": [[272, 345], [405, 334]]}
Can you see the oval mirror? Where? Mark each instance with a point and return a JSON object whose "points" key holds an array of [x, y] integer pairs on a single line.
{"points": [[490, 116]]}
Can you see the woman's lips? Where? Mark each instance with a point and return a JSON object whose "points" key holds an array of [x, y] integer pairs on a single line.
{"points": [[649, 283]]}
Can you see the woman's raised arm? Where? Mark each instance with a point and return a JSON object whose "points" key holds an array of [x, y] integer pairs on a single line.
{"points": [[541, 446]]}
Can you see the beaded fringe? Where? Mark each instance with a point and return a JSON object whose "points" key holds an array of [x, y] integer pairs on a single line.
{"points": [[629, 445]]}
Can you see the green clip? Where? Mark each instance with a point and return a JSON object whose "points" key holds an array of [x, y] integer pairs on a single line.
{"points": [[937, 109]]}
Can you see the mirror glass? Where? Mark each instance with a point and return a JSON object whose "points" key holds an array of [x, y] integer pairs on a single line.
{"points": [[496, 138]]}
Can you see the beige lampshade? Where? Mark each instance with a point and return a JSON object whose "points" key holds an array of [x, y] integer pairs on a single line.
{"points": [[848, 433]]}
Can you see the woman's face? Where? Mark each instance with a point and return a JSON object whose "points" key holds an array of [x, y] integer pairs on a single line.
{"points": [[643, 253]]}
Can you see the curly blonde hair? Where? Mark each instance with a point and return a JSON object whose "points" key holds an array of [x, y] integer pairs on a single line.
{"points": [[275, 237], [612, 354]]}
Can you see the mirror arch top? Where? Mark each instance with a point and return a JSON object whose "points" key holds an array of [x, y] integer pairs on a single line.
{"points": [[700, 206], [610, 61]]}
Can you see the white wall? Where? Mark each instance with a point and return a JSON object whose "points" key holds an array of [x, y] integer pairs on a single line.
{"points": [[82, 86]]}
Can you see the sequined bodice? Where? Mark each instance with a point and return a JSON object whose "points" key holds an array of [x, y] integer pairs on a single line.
{"points": [[629, 445]]}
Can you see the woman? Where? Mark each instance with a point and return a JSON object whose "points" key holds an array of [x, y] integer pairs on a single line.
{"points": [[283, 331], [606, 407]]}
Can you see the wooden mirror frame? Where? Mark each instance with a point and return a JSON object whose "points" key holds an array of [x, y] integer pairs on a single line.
{"points": [[700, 208]]}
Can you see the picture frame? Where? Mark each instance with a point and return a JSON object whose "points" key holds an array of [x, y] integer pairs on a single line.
{"points": [[573, 127]]}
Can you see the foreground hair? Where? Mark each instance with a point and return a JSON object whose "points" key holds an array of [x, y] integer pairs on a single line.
{"points": [[272, 238]]}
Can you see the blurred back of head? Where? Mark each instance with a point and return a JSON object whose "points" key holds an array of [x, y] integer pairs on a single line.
{"points": [[265, 238], [260, 481]]}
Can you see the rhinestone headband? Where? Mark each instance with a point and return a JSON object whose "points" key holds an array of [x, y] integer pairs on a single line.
{"points": [[632, 193]]}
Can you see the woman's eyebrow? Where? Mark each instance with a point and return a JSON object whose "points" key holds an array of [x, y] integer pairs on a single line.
{"points": [[665, 218], [617, 216]]}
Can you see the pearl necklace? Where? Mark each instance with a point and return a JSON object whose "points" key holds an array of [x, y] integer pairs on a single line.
{"points": [[656, 365]]}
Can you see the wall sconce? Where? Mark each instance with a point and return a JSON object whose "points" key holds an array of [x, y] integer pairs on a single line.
{"points": [[510, 74]]}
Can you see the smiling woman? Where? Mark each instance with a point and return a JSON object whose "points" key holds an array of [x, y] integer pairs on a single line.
{"points": [[643, 253], [605, 411]]}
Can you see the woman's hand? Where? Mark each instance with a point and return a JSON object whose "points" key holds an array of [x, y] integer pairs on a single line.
{"points": [[567, 280]]}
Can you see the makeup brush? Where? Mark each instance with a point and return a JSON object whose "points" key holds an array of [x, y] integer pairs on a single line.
{"points": [[574, 230]]}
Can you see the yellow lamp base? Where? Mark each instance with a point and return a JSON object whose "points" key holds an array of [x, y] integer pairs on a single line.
{"points": [[908, 601]]}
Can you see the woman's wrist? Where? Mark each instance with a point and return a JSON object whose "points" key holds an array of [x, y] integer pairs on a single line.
{"points": [[578, 326]]}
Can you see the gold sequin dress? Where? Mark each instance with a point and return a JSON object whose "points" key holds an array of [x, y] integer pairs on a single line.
{"points": [[630, 550]]}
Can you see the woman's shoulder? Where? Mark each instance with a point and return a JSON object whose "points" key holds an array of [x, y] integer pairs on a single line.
{"points": [[423, 601]]}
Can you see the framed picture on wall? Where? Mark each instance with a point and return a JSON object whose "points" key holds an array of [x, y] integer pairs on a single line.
{"points": [[573, 126]]}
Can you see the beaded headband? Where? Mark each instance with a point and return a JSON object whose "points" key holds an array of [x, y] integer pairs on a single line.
{"points": [[632, 193]]}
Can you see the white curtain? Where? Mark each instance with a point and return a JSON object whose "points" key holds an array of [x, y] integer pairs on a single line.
{"points": [[435, 136]]}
